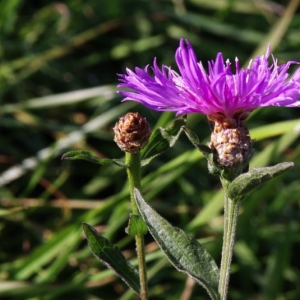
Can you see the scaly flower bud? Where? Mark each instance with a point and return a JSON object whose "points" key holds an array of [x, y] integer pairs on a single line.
{"points": [[132, 132], [231, 143]]}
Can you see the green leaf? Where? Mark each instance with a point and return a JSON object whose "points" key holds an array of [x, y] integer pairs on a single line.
{"points": [[136, 225], [245, 183], [91, 157], [204, 149], [112, 257], [184, 252], [161, 140]]}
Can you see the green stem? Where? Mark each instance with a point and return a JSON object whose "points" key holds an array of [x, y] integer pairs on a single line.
{"points": [[133, 160], [231, 210]]}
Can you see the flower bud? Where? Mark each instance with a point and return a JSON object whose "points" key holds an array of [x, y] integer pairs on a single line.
{"points": [[132, 132]]}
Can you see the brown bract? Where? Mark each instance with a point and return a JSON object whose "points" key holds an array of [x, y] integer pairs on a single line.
{"points": [[132, 132], [231, 142]]}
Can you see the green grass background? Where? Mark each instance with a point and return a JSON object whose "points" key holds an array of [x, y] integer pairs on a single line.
{"points": [[58, 66]]}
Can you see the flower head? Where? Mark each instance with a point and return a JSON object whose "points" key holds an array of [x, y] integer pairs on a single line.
{"points": [[220, 93], [226, 98]]}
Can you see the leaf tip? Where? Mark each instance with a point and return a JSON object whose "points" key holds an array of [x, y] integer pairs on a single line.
{"points": [[290, 164]]}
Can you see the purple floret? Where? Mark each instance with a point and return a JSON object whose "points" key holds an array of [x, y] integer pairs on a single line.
{"points": [[218, 93]]}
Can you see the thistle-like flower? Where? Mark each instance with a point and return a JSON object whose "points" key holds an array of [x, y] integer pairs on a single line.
{"points": [[226, 98]]}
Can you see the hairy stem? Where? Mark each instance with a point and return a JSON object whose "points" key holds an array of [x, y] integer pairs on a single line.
{"points": [[231, 210], [133, 161]]}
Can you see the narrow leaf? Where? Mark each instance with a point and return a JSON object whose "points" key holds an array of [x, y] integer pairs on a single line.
{"points": [[91, 157], [161, 140], [184, 252], [112, 257], [247, 182], [136, 225], [204, 149]]}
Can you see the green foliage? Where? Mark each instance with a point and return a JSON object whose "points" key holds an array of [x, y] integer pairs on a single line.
{"points": [[91, 157], [58, 66], [161, 140], [183, 251], [244, 184], [112, 257], [136, 225]]}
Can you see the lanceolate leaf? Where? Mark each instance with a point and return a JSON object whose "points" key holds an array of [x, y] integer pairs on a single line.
{"points": [[204, 149], [112, 257], [91, 157], [161, 140], [247, 182], [184, 252]]}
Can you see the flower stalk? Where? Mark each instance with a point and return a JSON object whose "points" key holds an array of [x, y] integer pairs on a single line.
{"points": [[131, 135], [231, 210], [133, 160]]}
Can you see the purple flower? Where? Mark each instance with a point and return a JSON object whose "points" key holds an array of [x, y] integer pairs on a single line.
{"points": [[220, 94]]}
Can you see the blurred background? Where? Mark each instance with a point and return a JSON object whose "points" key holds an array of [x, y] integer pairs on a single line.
{"points": [[58, 74]]}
